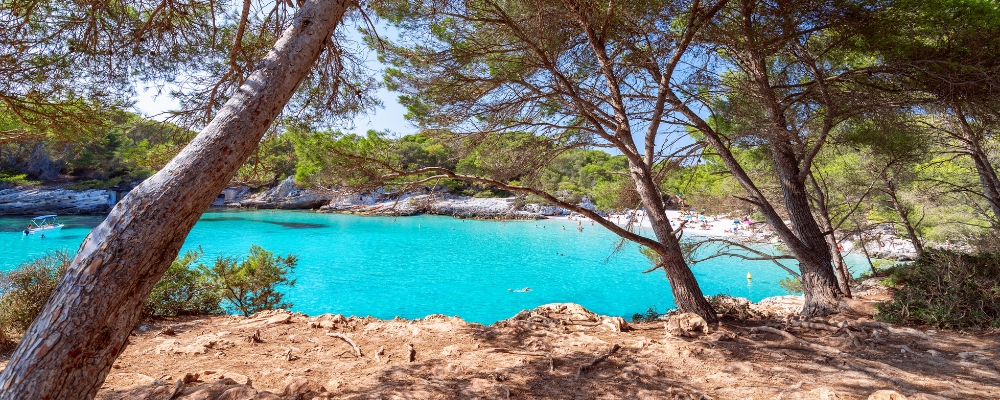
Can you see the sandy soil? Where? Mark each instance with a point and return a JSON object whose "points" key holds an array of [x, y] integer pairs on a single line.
{"points": [[539, 354]]}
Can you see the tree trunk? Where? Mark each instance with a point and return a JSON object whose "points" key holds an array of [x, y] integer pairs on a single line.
{"points": [[987, 175], [687, 294], [69, 349], [904, 216], [822, 292], [844, 278]]}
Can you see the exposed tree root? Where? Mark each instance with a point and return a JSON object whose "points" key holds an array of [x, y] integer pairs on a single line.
{"points": [[552, 363], [411, 354], [795, 339], [592, 363], [357, 350]]}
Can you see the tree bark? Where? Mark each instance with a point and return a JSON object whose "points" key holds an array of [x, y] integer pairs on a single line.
{"points": [[901, 212], [687, 294], [820, 287], [987, 175], [69, 349], [844, 278]]}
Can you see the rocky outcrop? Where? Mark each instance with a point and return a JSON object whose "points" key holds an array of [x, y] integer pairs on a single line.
{"points": [[37, 200], [287, 196], [437, 204]]}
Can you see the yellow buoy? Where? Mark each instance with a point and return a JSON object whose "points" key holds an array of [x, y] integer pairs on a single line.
{"points": [[749, 277]]}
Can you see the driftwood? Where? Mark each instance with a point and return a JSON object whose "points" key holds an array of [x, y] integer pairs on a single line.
{"points": [[588, 366], [357, 350], [411, 354]]}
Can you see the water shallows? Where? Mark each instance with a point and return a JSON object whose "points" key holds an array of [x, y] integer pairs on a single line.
{"points": [[416, 266]]}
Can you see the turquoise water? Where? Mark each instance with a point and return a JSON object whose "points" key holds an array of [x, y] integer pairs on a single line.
{"points": [[416, 266]]}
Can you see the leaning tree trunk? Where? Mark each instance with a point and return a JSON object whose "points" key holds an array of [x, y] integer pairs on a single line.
{"points": [[69, 349], [683, 285]]}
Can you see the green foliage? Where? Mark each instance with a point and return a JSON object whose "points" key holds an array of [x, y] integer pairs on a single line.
{"points": [[947, 290], [25, 289], [651, 315], [95, 184], [251, 285], [791, 284], [16, 179], [185, 289]]}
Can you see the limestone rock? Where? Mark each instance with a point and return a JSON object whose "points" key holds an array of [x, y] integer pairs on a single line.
{"points": [[615, 324], [287, 196], [886, 395], [686, 325], [37, 200]]}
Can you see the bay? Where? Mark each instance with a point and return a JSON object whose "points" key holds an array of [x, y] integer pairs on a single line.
{"points": [[415, 266]]}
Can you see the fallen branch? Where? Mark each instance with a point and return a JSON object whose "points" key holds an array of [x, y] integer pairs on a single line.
{"points": [[411, 353], [794, 339], [357, 350], [592, 363]]}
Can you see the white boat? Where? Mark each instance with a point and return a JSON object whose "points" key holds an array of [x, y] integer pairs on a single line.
{"points": [[42, 224]]}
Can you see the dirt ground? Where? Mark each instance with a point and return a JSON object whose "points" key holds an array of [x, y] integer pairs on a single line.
{"points": [[555, 352]]}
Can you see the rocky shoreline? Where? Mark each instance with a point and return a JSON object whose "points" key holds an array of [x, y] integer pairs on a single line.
{"points": [[557, 350]]}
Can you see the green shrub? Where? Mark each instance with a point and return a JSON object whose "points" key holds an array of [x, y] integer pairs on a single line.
{"points": [[250, 285], [651, 315], [25, 289], [184, 290], [791, 284], [946, 290], [17, 179], [95, 184]]}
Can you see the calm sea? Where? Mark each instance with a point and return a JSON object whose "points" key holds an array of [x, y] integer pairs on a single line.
{"points": [[416, 266]]}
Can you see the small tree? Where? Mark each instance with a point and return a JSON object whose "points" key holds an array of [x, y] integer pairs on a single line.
{"points": [[184, 290], [251, 285]]}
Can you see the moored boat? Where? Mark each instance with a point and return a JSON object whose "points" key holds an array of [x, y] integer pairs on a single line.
{"points": [[43, 223]]}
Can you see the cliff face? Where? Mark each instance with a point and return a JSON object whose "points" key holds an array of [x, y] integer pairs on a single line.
{"points": [[35, 200]]}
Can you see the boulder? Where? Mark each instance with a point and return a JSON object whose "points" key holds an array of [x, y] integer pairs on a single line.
{"points": [[686, 325], [886, 395]]}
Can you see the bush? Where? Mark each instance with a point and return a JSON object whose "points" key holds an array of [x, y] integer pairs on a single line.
{"points": [[250, 286], [946, 290], [792, 285], [25, 289], [94, 184], [15, 179], [651, 315], [183, 290]]}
